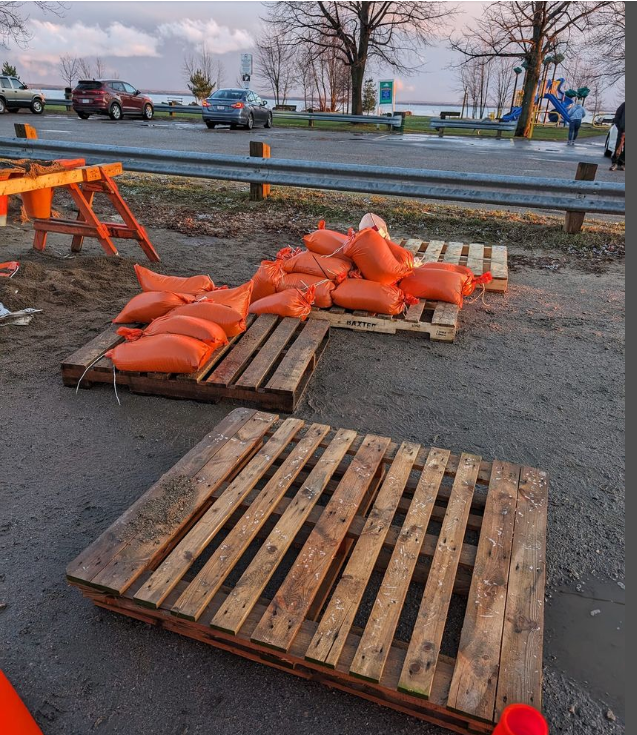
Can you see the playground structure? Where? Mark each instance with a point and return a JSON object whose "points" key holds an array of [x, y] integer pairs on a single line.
{"points": [[550, 90]]}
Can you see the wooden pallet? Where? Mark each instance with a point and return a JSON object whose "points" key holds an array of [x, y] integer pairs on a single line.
{"points": [[270, 365], [480, 258], [263, 540], [433, 318]]}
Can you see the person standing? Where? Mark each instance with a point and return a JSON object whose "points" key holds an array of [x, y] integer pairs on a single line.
{"points": [[577, 114], [619, 155]]}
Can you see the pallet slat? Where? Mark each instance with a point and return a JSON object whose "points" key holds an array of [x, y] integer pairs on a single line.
{"points": [[325, 508]]}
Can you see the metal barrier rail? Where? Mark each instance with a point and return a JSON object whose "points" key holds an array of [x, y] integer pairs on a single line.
{"points": [[514, 191], [395, 121]]}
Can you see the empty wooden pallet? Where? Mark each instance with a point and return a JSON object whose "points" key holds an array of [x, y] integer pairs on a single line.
{"points": [[269, 365], [480, 258], [300, 546]]}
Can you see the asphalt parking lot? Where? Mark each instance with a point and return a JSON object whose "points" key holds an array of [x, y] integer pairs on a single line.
{"points": [[472, 154]]}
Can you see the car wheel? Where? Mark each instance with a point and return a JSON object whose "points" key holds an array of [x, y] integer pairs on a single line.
{"points": [[115, 112], [211, 125], [3, 106], [149, 112], [607, 151], [83, 115], [250, 123], [37, 107], [269, 121]]}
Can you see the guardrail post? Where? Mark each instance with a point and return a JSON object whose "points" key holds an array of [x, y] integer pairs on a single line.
{"points": [[574, 220], [259, 192], [24, 130]]}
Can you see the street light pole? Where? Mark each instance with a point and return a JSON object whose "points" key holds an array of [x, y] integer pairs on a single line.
{"points": [[517, 70]]}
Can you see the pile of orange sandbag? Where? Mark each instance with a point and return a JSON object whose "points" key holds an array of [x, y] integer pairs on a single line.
{"points": [[188, 319]]}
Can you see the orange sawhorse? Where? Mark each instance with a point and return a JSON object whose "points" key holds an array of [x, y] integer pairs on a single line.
{"points": [[88, 224]]}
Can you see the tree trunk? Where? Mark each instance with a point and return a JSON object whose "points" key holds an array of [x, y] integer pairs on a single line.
{"points": [[358, 74], [532, 78]]}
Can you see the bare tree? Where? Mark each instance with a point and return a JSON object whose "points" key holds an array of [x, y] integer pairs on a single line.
{"points": [[394, 33], [501, 87], [529, 31], [608, 40], [13, 24], [276, 62], [200, 74], [100, 68], [85, 68], [69, 68]]}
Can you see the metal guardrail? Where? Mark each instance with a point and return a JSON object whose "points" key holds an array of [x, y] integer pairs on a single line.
{"points": [[395, 121], [514, 191]]}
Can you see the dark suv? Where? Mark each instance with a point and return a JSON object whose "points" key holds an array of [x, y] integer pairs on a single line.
{"points": [[110, 97]]}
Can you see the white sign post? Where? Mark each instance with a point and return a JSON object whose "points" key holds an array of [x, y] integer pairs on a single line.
{"points": [[246, 69]]}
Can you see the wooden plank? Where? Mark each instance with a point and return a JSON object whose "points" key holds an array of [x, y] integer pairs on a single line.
{"points": [[413, 245], [414, 312], [453, 252], [298, 357], [142, 548], [285, 614], [61, 178], [101, 551], [225, 373], [521, 656], [499, 267], [422, 656], [475, 677], [246, 592], [373, 649], [475, 258], [445, 314], [201, 590], [96, 347], [188, 550], [432, 251], [258, 369], [335, 625]]}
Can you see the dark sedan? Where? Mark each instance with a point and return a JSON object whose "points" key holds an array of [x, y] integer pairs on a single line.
{"points": [[238, 108]]}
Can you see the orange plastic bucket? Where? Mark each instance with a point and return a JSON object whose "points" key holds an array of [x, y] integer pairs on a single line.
{"points": [[521, 719], [37, 204], [14, 716]]}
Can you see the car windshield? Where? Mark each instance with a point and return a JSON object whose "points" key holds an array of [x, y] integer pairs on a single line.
{"points": [[89, 85], [228, 94]]}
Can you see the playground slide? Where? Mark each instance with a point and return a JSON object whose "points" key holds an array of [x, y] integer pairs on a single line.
{"points": [[559, 107], [513, 115]]}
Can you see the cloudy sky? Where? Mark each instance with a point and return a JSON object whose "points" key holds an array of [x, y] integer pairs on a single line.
{"points": [[145, 43]]}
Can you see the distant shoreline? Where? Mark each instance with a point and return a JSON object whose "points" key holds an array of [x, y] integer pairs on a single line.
{"points": [[263, 94]]}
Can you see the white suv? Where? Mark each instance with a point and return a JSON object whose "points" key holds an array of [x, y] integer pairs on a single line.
{"points": [[15, 95]]}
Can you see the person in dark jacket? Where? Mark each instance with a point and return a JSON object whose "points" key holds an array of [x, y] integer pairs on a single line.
{"points": [[619, 156]]}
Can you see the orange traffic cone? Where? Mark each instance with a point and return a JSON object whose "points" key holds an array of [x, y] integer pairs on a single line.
{"points": [[521, 719], [14, 716]]}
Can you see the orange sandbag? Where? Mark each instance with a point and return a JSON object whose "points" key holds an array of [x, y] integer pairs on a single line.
{"points": [[334, 268], [163, 353], [149, 305], [403, 256], [151, 281], [374, 258], [238, 298], [266, 278], [291, 302], [209, 332], [379, 298], [324, 288], [229, 319], [15, 718], [324, 242], [471, 281], [435, 284]]}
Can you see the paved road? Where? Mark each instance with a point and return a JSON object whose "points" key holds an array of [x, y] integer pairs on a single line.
{"points": [[482, 155]]}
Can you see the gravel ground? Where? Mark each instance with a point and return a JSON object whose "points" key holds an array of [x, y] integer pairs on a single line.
{"points": [[534, 377]]}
